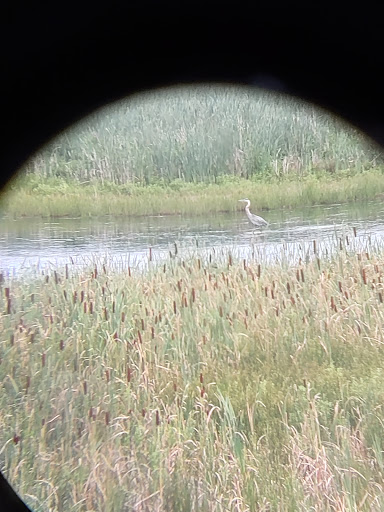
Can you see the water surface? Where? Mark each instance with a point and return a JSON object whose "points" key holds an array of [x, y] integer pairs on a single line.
{"points": [[27, 244]]}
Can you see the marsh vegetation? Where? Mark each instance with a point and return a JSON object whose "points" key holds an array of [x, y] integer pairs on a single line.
{"points": [[198, 150], [210, 381], [198, 385]]}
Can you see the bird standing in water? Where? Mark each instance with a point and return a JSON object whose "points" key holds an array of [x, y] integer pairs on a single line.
{"points": [[255, 219]]}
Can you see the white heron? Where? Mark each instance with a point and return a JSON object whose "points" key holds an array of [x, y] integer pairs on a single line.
{"points": [[255, 219]]}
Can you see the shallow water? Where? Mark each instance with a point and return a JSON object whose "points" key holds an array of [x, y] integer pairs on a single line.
{"points": [[28, 244]]}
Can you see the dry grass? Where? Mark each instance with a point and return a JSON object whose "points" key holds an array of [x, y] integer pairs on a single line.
{"points": [[197, 386]]}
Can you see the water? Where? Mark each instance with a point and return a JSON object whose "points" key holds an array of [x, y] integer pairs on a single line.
{"points": [[36, 245]]}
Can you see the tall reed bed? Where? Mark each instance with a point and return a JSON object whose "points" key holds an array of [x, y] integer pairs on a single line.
{"points": [[197, 385], [197, 134]]}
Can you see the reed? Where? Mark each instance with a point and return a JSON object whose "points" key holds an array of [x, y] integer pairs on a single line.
{"points": [[197, 134], [200, 384]]}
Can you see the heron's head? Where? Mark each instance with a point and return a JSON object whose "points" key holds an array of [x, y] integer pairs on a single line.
{"points": [[243, 200]]}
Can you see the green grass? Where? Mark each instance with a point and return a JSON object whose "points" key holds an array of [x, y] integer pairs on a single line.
{"points": [[197, 151], [196, 386], [34, 197], [199, 134]]}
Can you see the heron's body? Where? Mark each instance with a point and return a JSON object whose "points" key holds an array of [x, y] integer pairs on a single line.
{"points": [[255, 219]]}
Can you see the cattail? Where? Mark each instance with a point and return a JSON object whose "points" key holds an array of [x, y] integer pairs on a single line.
{"points": [[46, 279], [298, 274], [288, 288], [12, 340], [143, 412], [122, 317], [129, 271], [66, 271], [258, 271], [174, 307], [106, 417], [201, 378], [202, 391], [61, 344], [229, 260], [91, 308], [16, 439], [381, 297], [302, 275], [364, 276], [193, 295], [43, 359], [314, 247], [221, 311], [82, 296], [85, 387], [142, 324], [74, 296], [179, 285], [85, 307], [105, 313], [150, 254], [9, 305], [198, 264], [354, 232], [139, 336], [129, 374], [28, 383], [341, 244], [95, 272], [158, 415], [65, 294], [204, 339], [107, 375], [56, 277]]}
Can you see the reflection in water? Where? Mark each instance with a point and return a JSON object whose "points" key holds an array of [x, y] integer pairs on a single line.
{"points": [[30, 244]]}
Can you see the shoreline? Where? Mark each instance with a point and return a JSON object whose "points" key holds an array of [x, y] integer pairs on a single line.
{"points": [[59, 198]]}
